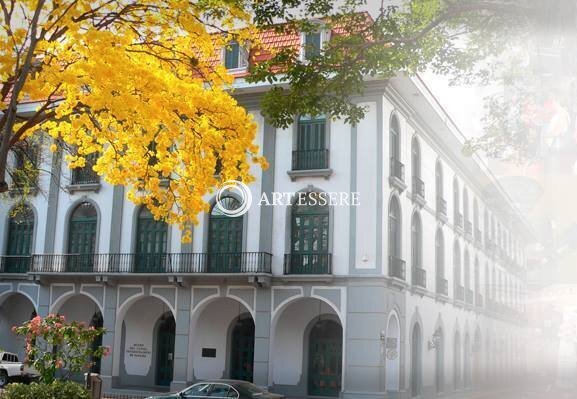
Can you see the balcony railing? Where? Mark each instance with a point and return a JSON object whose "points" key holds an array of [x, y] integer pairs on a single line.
{"points": [[312, 263], [442, 286], [459, 293], [397, 169], [469, 296], [441, 208], [14, 264], [237, 262], [419, 277], [396, 267], [418, 189], [310, 159]]}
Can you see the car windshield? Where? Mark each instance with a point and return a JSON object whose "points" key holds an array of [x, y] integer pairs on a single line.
{"points": [[248, 389]]}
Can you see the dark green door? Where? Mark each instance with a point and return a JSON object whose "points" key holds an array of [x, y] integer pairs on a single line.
{"points": [[151, 237], [82, 238], [325, 359], [242, 350], [20, 230], [165, 351], [310, 240], [225, 239]]}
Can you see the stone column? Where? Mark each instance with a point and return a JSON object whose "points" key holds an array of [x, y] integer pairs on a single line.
{"points": [[262, 336], [43, 300], [109, 323], [179, 376]]}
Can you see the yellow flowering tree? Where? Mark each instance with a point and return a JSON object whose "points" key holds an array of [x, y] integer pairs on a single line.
{"points": [[135, 83]]}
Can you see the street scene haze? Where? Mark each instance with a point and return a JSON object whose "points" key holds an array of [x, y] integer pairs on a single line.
{"points": [[268, 199]]}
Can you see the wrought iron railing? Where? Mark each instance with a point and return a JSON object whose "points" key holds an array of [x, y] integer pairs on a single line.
{"points": [[14, 263], [418, 188], [397, 267], [308, 263], [442, 286], [85, 174], [234, 262], [419, 277], [459, 293], [397, 169], [310, 159]]}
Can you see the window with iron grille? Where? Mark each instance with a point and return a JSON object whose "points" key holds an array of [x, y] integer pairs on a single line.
{"points": [[86, 174]]}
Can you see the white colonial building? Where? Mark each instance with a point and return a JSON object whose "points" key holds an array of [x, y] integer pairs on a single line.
{"points": [[417, 291]]}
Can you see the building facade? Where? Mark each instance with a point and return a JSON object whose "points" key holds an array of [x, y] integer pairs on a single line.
{"points": [[416, 291]]}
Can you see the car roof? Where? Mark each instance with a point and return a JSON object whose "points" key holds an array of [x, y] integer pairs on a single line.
{"points": [[223, 381]]}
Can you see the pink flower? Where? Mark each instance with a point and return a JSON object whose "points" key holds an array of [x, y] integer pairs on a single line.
{"points": [[105, 350]]}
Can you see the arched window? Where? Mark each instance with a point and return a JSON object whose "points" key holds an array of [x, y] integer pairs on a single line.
{"points": [[395, 138], [477, 283], [151, 243], [456, 209], [468, 226], [416, 356], [396, 264], [476, 220], [459, 291], [486, 225], [396, 166], [20, 237], [467, 273], [419, 275], [309, 236], [82, 238], [418, 184], [439, 192], [457, 361], [441, 281], [224, 238]]}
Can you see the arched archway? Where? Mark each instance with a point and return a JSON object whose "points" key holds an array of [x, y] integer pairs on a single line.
{"points": [[467, 361], [416, 360], [457, 361], [223, 344], [440, 362], [15, 309], [392, 353], [145, 348], [307, 348], [82, 308]]}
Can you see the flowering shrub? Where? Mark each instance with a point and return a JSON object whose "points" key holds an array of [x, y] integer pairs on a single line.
{"points": [[52, 343], [54, 390]]}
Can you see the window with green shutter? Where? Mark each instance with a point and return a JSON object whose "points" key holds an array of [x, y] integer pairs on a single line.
{"points": [[82, 238], [311, 147], [225, 238], [20, 237], [151, 243]]}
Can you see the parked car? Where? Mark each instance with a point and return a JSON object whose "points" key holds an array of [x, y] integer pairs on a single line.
{"points": [[234, 389], [11, 368]]}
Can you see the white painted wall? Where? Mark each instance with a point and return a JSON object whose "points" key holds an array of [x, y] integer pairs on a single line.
{"points": [[14, 310]]}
